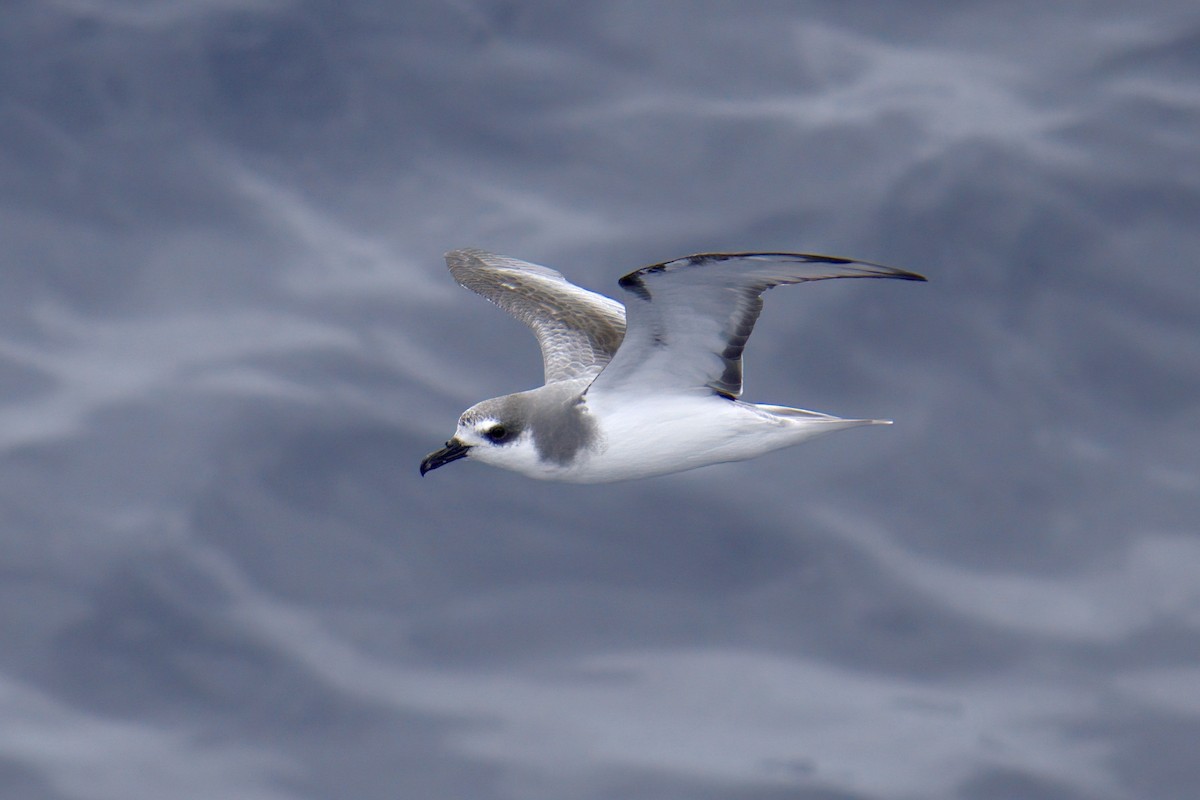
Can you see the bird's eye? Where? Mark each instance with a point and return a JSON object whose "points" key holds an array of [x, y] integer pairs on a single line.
{"points": [[496, 433]]}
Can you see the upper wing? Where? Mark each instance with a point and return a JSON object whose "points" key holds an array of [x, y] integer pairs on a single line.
{"points": [[578, 331], [689, 319]]}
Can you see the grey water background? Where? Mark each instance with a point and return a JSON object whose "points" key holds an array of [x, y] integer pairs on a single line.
{"points": [[227, 338]]}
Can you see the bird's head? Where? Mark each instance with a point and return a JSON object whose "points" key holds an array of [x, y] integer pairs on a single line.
{"points": [[493, 432]]}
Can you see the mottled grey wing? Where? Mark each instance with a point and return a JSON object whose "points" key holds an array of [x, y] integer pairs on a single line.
{"points": [[578, 331], [689, 319]]}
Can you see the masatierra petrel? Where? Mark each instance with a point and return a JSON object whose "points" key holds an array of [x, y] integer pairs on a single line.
{"points": [[643, 389]]}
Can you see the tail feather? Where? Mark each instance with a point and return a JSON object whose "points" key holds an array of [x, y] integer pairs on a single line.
{"points": [[817, 416]]}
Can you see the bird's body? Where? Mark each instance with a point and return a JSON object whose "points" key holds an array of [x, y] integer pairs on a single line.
{"points": [[658, 398], [602, 440]]}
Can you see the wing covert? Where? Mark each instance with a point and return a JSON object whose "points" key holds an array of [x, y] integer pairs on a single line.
{"points": [[578, 330]]}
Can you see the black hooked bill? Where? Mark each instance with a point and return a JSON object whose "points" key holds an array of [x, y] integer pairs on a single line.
{"points": [[453, 451]]}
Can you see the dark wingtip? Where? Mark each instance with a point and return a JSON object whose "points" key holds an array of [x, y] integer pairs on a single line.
{"points": [[633, 283]]}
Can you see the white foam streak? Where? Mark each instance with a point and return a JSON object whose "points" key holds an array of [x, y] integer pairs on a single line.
{"points": [[332, 258], [90, 757], [949, 96], [721, 715], [1153, 580], [96, 364], [154, 15]]}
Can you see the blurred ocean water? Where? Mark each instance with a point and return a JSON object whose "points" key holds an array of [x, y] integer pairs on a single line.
{"points": [[227, 338]]}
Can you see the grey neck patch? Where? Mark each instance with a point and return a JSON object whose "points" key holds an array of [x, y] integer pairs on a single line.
{"points": [[559, 422]]}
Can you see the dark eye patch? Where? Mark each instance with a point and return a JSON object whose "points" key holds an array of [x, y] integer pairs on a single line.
{"points": [[497, 434]]}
